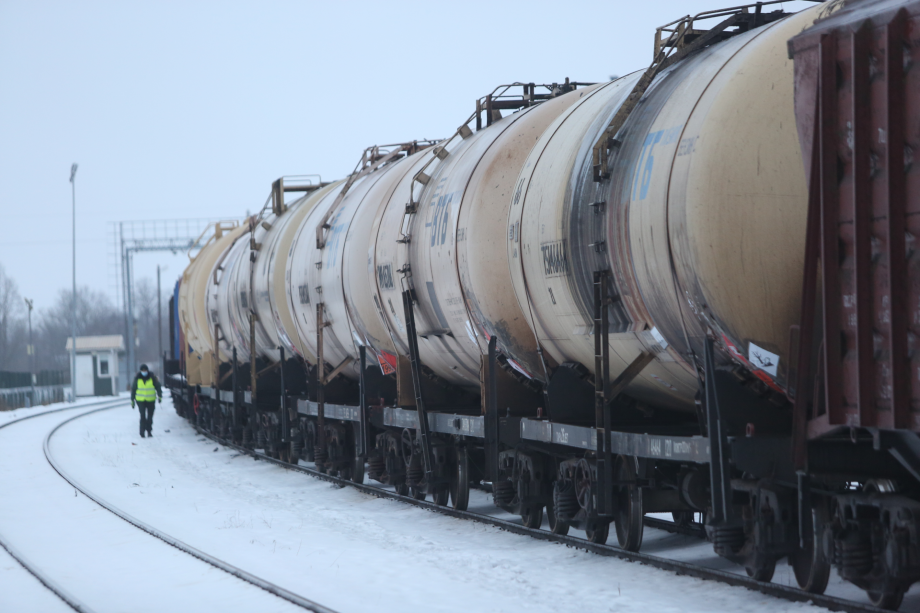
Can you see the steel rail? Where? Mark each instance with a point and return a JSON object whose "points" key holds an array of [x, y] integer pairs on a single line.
{"points": [[237, 572], [692, 529], [69, 599], [783, 592]]}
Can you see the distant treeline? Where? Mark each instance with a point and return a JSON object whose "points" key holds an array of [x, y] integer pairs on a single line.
{"points": [[51, 327]]}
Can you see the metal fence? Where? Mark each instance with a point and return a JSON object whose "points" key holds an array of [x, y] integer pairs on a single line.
{"points": [[10, 379], [19, 397]]}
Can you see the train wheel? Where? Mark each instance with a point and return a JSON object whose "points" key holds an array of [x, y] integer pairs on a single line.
{"points": [[584, 485], [763, 573], [598, 532], [533, 517], [417, 493], [460, 481], [810, 565], [407, 447], [880, 486], [890, 601], [564, 505], [357, 471], [629, 513], [556, 525], [309, 442], [441, 497], [402, 489]]}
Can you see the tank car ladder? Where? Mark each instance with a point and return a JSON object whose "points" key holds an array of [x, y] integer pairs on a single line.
{"points": [[682, 40], [605, 392], [373, 158], [415, 364]]}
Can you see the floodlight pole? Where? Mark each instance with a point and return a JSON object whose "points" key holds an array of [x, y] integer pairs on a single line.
{"points": [[159, 320], [31, 353], [132, 321], [73, 297]]}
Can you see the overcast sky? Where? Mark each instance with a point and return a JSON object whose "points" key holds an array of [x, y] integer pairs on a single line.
{"points": [[191, 109]]}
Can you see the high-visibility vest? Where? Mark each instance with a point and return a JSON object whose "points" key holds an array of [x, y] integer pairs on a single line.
{"points": [[145, 390]]}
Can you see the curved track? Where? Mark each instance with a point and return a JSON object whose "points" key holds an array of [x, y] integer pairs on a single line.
{"points": [[239, 573], [43, 578], [40, 572], [681, 568], [678, 567]]}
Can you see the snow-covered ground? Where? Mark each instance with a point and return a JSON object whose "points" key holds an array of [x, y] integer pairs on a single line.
{"points": [[346, 550], [93, 555], [20, 591]]}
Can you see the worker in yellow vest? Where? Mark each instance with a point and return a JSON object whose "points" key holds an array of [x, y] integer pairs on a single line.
{"points": [[145, 390]]}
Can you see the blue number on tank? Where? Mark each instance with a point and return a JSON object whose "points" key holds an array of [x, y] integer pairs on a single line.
{"points": [[643, 175], [641, 184], [440, 218], [332, 241]]}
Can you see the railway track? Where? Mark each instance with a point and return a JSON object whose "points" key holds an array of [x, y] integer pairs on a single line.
{"points": [[678, 567], [681, 568], [45, 577], [69, 599]]}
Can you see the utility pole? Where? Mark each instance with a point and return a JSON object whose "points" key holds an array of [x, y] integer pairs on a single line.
{"points": [[132, 321], [160, 321], [73, 297], [31, 354]]}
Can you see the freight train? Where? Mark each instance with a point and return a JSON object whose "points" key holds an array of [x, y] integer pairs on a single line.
{"points": [[693, 289]]}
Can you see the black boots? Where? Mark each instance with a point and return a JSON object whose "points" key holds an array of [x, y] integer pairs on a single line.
{"points": [[142, 434]]}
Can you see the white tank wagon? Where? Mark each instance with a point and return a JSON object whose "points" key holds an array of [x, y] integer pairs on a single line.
{"points": [[688, 252], [589, 303]]}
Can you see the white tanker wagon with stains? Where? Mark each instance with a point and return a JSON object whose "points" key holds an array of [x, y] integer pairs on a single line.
{"points": [[687, 290]]}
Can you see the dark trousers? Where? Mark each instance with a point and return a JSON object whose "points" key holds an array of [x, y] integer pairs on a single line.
{"points": [[146, 411]]}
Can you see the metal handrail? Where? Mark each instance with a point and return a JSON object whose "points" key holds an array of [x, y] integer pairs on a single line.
{"points": [[219, 228], [667, 53]]}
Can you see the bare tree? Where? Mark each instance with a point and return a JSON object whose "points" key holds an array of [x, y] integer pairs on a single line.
{"points": [[145, 296], [95, 316], [12, 325]]}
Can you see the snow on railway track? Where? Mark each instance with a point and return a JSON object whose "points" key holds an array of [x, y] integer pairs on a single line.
{"points": [[91, 559], [777, 590], [33, 598], [354, 551]]}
